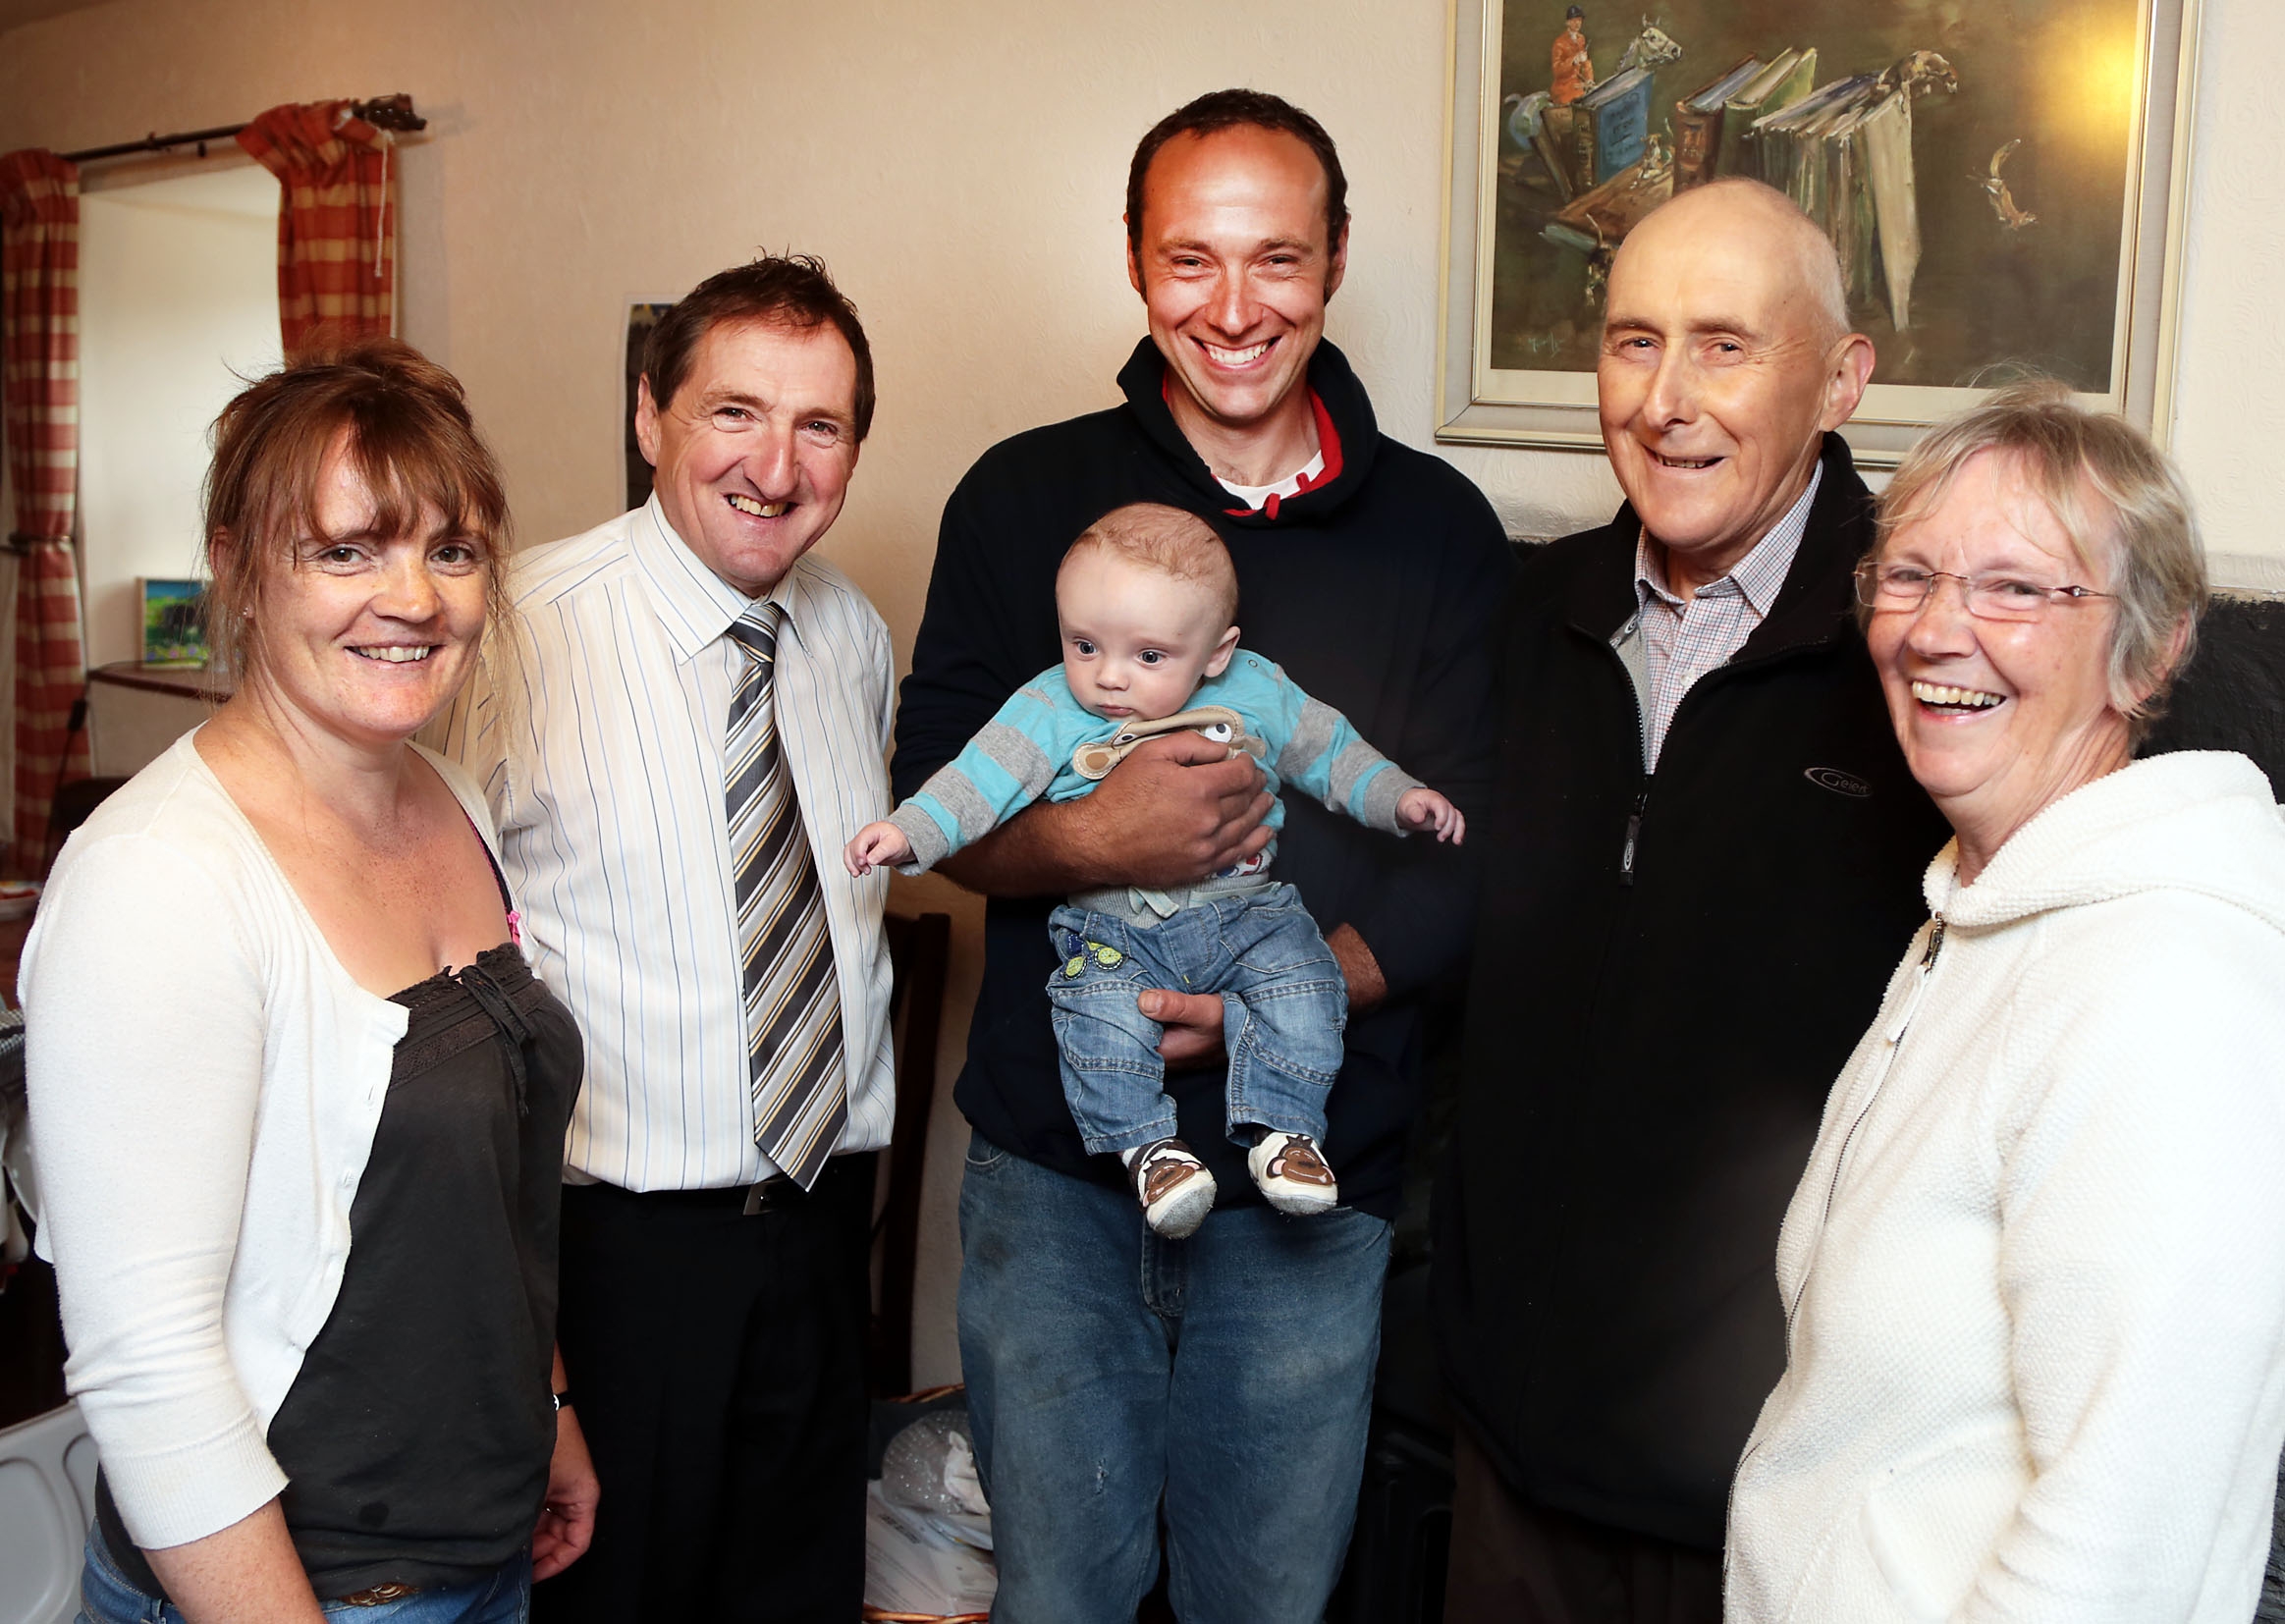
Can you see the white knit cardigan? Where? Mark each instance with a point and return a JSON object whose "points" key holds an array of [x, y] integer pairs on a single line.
{"points": [[2034, 1273], [205, 1079]]}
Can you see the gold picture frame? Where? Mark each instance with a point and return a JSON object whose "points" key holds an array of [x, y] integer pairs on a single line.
{"points": [[2084, 106]]}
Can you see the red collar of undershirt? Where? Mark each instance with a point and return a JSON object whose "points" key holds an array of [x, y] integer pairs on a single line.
{"points": [[1327, 444]]}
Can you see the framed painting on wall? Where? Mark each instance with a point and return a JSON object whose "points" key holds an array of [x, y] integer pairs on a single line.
{"points": [[174, 624], [642, 314], [2002, 180]]}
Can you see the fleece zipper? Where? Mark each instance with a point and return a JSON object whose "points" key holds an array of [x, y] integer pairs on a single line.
{"points": [[1638, 688], [1640, 806]]}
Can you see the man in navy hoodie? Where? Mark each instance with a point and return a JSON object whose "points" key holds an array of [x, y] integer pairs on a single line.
{"points": [[1225, 1379]]}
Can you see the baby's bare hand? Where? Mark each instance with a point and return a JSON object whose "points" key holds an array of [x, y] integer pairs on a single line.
{"points": [[1424, 809], [877, 846]]}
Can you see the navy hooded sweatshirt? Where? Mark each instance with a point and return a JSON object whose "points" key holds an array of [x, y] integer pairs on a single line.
{"points": [[1375, 589]]}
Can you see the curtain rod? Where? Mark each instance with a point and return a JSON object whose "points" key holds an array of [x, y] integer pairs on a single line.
{"points": [[386, 111]]}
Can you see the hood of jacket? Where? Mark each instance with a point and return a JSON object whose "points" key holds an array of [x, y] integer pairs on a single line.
{"points": [[2199, 821], [1346, 431]]}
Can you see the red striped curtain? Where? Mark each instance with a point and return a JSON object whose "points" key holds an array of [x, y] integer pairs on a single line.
{"points": [[39, 333], [337, 231]]}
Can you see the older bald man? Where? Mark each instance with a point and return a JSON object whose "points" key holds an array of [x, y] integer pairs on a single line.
{"points": [[1704, 858]]}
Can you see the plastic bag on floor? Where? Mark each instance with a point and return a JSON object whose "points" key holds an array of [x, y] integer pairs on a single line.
{"points": [[930, 1468], [915, 1569]]}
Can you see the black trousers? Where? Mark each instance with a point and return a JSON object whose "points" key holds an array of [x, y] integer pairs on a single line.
{"points": [[1516, 1563], [717, 1364]]}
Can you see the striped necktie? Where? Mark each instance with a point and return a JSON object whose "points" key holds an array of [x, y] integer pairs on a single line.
{"points": [[792, 1005]]}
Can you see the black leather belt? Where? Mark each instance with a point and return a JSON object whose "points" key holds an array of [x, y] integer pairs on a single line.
{"points": [[771, 1195], [774, 1195]]}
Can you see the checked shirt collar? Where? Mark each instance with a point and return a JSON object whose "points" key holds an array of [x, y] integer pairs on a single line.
{"points": [[1684, 640]]}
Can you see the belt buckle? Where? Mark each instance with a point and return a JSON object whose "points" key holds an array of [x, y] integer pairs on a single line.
{"points": [[771, 1195], [380, 1596]]}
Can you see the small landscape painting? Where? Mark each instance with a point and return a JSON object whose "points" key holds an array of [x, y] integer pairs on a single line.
{"points": [[174, 624]]}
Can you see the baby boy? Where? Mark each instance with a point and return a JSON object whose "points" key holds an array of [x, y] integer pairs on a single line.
{"points": [[1147, 602]]}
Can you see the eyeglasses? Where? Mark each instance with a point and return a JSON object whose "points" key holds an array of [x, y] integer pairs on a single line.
{"points": [[1906, 586]]}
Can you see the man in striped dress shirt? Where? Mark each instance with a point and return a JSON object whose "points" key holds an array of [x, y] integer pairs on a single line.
{"points": [[692, 731]]}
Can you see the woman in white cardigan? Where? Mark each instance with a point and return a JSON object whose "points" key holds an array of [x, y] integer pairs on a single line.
{"points": [[298, 1175], [2035, 1274]]}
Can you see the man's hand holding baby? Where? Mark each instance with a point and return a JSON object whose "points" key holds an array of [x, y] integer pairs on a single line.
{"points": [[1175, 810]]}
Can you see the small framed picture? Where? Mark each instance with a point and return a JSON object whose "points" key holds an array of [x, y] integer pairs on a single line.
{"points": [[174, 623], [642, 314]]}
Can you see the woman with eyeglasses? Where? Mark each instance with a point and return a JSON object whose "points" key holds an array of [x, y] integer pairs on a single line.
{"points": [[2034, 1276]]}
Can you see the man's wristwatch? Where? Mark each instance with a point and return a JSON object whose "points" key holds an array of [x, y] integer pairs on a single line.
{"points": [[561, 1400]]}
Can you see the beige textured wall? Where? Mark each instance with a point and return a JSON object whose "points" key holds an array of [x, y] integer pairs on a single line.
{"points": [[961, 165]]}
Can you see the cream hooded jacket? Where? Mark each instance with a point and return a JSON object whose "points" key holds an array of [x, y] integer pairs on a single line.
{"points": [[2034, 1273]]}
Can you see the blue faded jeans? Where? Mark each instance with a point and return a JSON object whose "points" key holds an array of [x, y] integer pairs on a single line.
{"points": [[109, 1596], [1226, 1378], [1285, 1006]]}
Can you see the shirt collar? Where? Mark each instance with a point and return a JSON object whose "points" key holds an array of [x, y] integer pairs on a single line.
{"points": [[694, 605], [1759, 576]]}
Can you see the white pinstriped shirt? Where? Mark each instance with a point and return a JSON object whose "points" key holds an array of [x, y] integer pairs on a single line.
{"points": [[607, 789], [1682, 640]]}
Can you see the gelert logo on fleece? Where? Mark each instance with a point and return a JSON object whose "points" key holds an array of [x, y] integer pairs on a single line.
{"points": [[1838, 781]]}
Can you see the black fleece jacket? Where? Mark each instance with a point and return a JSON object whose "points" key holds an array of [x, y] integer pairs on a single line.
{"points": [[1374, 589], [1650, 1039]]}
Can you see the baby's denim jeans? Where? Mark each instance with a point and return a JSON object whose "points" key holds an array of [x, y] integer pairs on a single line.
{"points": [[1285, 1006]]}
